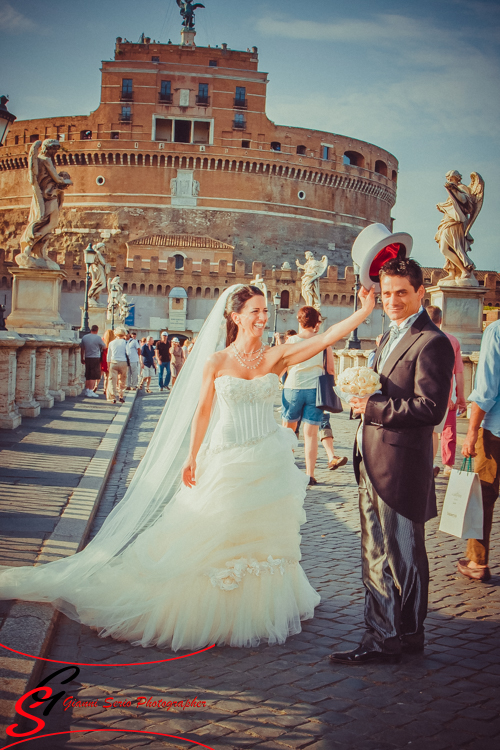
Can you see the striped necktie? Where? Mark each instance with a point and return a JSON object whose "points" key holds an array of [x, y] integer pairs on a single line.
{"points": [[395, 333]]}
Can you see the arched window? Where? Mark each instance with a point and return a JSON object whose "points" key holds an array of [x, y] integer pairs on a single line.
{"points": [[64, 285], [134, 288], [158, 290], [353, 158], [73, 286], [125, 287], [285, 299], [151, 289], [381, 167], [179, 261], [207, 293], [198, 291], [301, 150], [394, 175], [216, 293], [142, 289], [82, 285], [190, 291]]}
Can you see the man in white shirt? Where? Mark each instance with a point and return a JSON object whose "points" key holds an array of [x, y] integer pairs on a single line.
{"points": [[133, 349]]}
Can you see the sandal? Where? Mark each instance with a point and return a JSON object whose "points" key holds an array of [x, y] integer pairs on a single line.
{"points": [[337, 462]]}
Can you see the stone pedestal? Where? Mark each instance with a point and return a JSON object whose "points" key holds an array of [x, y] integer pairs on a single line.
{"points": [[9, 414], [36, 299], [462, 313], [98, 317], [187, 37], [26, 403]]}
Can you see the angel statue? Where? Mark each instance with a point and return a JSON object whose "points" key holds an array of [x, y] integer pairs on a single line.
{"points": [[48, 187], [187, 12], [123, 308], [99, 271], [260, 284], [313, 269], [460, 212], [115, 293]]}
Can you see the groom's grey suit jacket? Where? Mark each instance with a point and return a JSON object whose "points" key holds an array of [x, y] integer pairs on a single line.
{"points": [[399, 422]]}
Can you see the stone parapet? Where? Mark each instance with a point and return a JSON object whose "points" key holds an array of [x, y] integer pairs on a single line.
{"points": [[35, 371]]}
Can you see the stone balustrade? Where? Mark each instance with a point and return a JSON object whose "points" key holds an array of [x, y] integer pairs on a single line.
{"points": [[35, 371]]}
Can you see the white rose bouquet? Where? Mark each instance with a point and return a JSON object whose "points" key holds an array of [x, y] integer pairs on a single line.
{"points": [[358, 381]]}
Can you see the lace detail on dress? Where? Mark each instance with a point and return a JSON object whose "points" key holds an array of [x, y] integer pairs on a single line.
{"points": [[239, 389], [224, 446], [230, 577]]}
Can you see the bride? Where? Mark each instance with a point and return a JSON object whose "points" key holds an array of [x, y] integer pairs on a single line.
{"points": [[215, 560]]}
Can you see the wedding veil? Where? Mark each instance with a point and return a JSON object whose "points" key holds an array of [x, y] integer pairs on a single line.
{"points": [[155, 482]]}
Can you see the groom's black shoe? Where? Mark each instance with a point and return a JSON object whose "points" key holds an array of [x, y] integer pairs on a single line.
{"points": [[362, 655]]}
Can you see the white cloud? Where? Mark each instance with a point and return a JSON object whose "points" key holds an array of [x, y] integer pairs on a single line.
{"points": [[14, 22], [441, 85]]}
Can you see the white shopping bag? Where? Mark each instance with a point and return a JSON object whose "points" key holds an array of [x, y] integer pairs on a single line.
{"points": [[462, 513]]}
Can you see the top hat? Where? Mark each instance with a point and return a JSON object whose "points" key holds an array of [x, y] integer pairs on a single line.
{"points": [[373, 247]]}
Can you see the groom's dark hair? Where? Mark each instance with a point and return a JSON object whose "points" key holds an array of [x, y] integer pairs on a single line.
{"points": [[405, 267]]}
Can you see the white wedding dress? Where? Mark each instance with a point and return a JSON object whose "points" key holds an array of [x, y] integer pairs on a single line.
{"points": [[221, 563]]}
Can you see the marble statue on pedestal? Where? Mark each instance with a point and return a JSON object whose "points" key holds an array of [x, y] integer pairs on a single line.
{"points": [[313, 269], [99, 271], [460, 212], [260, 284], [48, 188], [115, 292], [123, 308]]}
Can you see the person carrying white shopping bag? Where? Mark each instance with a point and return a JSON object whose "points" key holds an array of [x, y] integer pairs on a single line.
{"points": [[462, 513]]}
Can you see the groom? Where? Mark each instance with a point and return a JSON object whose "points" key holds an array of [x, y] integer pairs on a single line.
{"points": [[393, 462]]}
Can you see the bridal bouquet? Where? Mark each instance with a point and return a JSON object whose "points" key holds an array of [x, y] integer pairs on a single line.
{"points": [[358, 381]]}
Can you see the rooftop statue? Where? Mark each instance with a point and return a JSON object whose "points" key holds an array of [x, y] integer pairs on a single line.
{"points": [[187, 12], [99, 271], [48, 187], [313, 269], [260, 284], [460, 212]]}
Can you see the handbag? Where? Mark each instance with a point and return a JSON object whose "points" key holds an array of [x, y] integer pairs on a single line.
{"points": [[326, 398], [462, 513]]}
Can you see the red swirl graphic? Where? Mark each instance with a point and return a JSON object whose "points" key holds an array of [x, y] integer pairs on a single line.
{"points": [[107, 664], [122, 731]]}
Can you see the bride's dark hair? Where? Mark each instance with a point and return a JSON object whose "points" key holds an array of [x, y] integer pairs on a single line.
{"points": [[235, 303]]}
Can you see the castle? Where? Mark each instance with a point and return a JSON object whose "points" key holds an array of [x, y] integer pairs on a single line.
{"points": [[192, 187]]}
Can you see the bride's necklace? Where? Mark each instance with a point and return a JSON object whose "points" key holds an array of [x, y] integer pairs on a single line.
{"points": [[241, 356]]}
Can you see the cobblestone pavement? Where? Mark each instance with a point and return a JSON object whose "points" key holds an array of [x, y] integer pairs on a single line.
{"points": [[290, 696]]}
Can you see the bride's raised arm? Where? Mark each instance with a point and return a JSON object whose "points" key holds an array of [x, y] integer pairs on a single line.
{"points": [[200, 421], [292, 354]]}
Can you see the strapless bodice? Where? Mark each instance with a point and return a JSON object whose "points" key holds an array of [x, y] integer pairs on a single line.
{"points": [[246, 410]]}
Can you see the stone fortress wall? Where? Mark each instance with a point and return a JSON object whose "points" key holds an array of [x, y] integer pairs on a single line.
{"points": [[181, 144]]}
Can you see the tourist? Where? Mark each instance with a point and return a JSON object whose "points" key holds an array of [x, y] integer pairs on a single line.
{"points": [[91, 347], [456, 404], [107, 338], [299, 393], [118, 366], [163, 358], [483, 442], [133, 349], [176, 359], [216, 559], [185, 348], [148, 363]]}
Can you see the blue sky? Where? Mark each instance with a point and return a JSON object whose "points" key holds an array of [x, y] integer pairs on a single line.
{"points": [[420, 79]]}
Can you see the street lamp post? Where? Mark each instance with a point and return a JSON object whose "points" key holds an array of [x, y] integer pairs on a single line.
{"points": [[6, 119], [89, 255], [114, 297], [276, 300], [353, 342]]}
